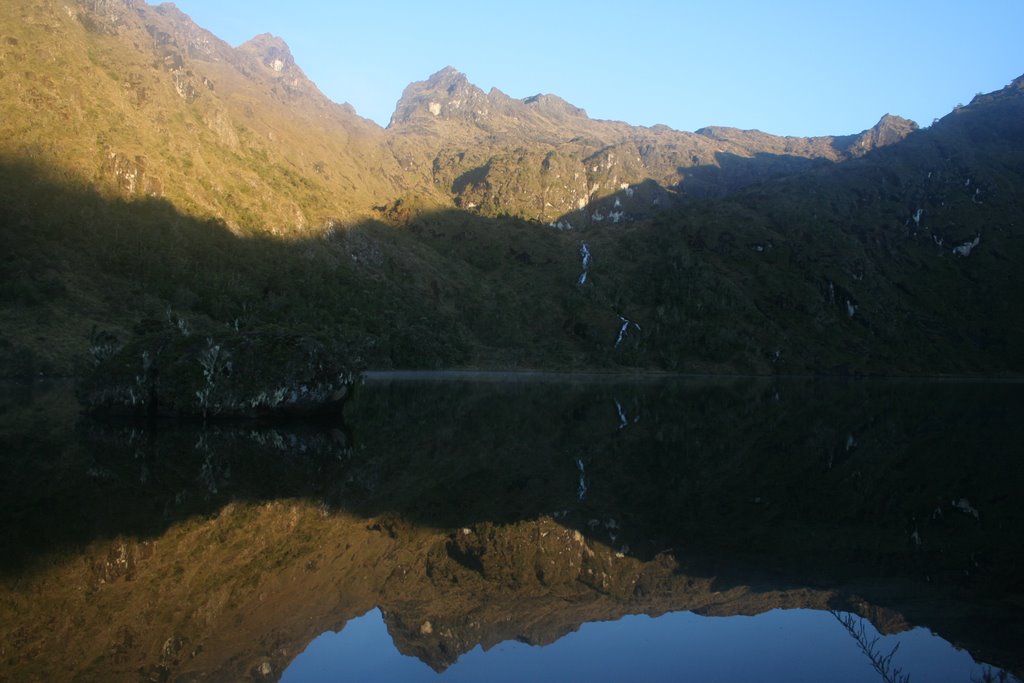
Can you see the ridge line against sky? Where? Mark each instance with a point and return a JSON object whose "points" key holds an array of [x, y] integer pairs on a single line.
{"points": [[787, 67]]}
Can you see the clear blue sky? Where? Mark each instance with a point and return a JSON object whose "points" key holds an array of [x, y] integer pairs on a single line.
{"points": [[782, 66]]}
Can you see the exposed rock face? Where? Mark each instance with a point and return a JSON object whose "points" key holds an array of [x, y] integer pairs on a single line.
{"points": [[447, 94], [272, 51], [131, 177], [889, 130], [239, 376], [290, 82], [104, 16]]}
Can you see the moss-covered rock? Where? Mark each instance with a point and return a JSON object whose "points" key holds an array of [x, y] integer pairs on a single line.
{"points": [[241, 375]]}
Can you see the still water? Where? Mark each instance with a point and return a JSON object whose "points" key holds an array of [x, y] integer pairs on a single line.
{"points": [[779, 645], [523, 528]]}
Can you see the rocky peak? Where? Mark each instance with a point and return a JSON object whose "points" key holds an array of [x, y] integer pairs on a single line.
{"points": [[288, 81], [272, 51], [447, 94], [888, 130], [449, 79], [178, 31], [553, 106]]}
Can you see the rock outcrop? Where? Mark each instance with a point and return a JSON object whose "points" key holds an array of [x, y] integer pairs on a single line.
{"points": [[256, 375], [889, 130]]}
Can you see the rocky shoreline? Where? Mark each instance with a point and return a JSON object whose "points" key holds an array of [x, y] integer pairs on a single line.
{"points": [[241, 375]]}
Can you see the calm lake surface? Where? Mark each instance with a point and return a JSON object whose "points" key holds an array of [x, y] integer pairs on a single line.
{"points": [[524, 527]]}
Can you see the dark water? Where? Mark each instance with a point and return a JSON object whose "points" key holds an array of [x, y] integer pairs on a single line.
{"points": [[535, 528]]}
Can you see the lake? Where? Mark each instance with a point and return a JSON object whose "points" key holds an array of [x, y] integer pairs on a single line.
{"points": [[465, 527]]}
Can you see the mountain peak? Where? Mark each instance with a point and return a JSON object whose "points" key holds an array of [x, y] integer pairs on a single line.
{"points": [[449, 82], [888, 130], [445, 94], [891, 120], [446, 75], [271, 50], [553, 105], [449, 95]]}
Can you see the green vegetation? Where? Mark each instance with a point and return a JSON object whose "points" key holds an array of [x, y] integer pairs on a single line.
{"points": [[172, 177], [430, 293], [743, 285]]}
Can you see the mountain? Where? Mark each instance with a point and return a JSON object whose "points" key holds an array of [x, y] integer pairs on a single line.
{"points": [[163, 108], [544, 159], [876, 260], [141, 102], [154, 175]]}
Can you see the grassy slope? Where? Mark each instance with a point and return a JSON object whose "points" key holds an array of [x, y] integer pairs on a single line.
{"points": [[152, 105]]}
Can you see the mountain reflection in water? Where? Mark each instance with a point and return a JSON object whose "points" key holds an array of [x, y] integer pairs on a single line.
{"points": [[779, 645], [476, 512]]}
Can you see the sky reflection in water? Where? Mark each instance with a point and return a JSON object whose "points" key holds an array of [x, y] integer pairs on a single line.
{"points": [[780, 645]]}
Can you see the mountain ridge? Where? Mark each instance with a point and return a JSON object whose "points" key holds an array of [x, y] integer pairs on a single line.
{"points": [[458, 156], [605, 158]]}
